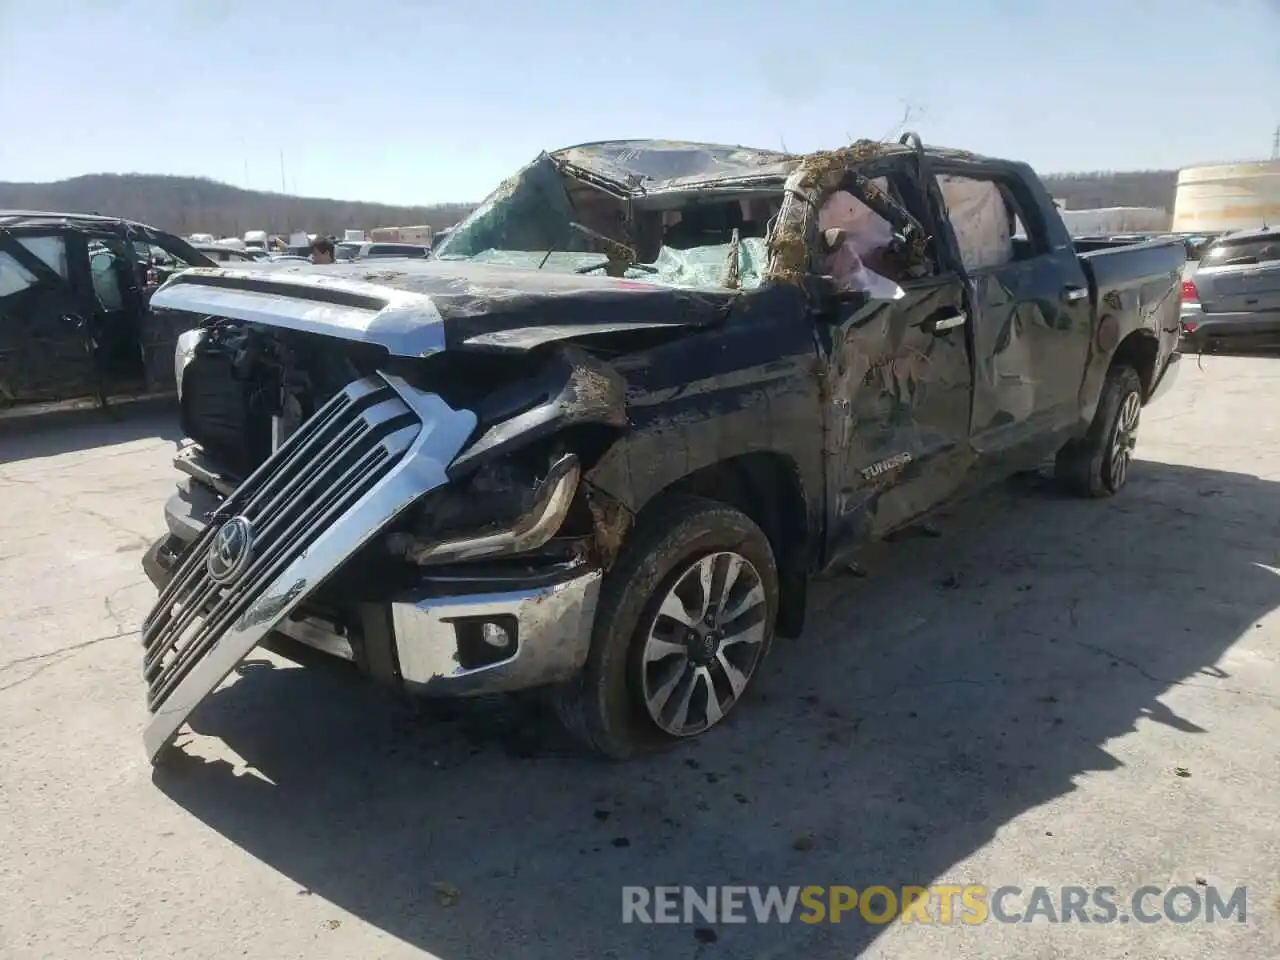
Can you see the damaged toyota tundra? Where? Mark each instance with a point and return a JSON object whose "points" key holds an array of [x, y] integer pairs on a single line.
{"points": [[599, 444]]}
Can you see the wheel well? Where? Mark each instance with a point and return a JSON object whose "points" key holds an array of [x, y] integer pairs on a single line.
{"points": [[1139, 350], [767, 488]]}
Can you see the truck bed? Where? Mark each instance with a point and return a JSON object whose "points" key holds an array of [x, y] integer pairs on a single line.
{"points": [[1153, 266]]}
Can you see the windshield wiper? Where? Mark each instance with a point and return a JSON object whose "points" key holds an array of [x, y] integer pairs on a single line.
{"points": [[733, 272], [619, 258], [612, 247]]}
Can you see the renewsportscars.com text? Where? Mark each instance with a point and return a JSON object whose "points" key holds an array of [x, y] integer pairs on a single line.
{"points": [[970, 904]]}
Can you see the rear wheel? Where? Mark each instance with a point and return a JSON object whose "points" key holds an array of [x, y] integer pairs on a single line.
{"points": [[1099, 463], [686, 618]]}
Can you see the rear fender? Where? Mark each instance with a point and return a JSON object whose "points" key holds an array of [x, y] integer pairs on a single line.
{"points": [[1138, 347]]}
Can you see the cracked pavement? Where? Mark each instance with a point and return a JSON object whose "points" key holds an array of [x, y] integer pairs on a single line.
{"points": [[1051, 692]]}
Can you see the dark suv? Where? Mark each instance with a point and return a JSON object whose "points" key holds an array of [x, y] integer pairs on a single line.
{"points": [[75, 319]]}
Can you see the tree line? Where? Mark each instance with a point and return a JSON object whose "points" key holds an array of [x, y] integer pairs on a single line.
{"points": [[1135, 188], [187, 205]]}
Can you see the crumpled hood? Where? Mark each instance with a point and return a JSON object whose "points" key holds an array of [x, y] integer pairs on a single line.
{"points": [[416, 308]]}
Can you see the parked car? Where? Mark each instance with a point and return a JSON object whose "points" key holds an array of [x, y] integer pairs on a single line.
{"points": [[601, 441], [222, 254], [1231, 301], [380, 251], [74, 315]]}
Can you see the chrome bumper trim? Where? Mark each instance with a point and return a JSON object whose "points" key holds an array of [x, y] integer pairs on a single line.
{"points": [[553, 636]]}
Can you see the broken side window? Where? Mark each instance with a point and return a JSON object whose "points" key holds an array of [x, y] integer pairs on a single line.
{"points": [[857, 264]]}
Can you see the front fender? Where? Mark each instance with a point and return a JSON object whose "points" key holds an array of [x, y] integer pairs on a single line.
{"points": [[572, 389]]}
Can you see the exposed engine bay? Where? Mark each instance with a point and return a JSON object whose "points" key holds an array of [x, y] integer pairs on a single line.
{"points": [[247, 388]]}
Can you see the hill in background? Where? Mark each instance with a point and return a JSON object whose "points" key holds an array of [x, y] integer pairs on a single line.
{"points": [[187, 205], [1137, 188]]}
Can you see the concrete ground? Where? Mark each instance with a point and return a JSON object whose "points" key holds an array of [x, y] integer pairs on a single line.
{"points": [[1052, 692]]}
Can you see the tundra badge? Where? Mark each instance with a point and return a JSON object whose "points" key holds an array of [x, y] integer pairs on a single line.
{"points": [[884, 466]]}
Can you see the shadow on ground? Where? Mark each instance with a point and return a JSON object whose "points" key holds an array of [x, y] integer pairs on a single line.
{"points": [[53, 434], [966, 680]]}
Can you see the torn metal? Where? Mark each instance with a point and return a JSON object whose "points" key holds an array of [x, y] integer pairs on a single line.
{"points": [[795, 242]]}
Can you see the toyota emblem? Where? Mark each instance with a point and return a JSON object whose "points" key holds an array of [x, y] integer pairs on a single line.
{"points": [[231, 550]]}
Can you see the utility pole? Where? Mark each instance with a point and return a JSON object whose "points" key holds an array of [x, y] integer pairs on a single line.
{"points": [[1275, 145], [284, 189]]}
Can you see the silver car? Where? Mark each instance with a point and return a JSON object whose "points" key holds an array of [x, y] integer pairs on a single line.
{"points": [[1231, 301], [381, 251]]}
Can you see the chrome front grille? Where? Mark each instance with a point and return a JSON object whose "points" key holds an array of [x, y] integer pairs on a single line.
{"points": [[317, 476]]}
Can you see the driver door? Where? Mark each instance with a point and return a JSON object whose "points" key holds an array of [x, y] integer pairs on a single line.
{"points": [[115, 287], [901, 385], [45, 353]]}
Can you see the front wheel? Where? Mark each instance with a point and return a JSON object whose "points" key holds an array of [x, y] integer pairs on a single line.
{"points": [[1098, 464], [685, 619]]}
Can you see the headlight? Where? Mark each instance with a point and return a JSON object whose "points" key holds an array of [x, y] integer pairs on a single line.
{"points": [[182, 354], [541, 522]]}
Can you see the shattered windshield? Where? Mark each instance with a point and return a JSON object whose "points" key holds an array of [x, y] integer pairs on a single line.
{"points": [[542, 219]]}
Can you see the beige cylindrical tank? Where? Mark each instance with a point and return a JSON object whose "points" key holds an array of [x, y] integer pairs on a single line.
{"points": [[1230, 196]]}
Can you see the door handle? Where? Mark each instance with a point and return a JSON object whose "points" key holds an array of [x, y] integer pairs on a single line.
{"points": [[944, 324], [1075, 294]]}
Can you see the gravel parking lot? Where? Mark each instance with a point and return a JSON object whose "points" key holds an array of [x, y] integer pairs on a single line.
{"points": [[1050, 692]]}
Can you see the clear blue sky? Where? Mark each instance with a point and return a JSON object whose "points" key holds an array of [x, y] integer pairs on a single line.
{"points": [[415, 101]]}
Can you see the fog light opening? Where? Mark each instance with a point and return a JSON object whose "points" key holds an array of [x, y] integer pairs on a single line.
{"points": [[495, 635], [485, 640]]}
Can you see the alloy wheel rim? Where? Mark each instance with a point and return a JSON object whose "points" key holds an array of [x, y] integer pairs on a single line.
{"points": [[1125, 439], [703, 644]]}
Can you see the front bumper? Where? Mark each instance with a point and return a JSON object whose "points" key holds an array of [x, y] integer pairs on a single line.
{"points": [[440, 646], [431, 641]]}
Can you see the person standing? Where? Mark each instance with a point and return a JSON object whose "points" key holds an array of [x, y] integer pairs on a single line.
{"points": [[322, 250]]}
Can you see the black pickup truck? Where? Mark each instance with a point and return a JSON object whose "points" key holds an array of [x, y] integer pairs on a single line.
{"points": [[600, 442]]}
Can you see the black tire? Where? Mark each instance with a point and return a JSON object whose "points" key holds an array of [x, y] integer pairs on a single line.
{"points": [[604, 708], [1089, 465]]}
